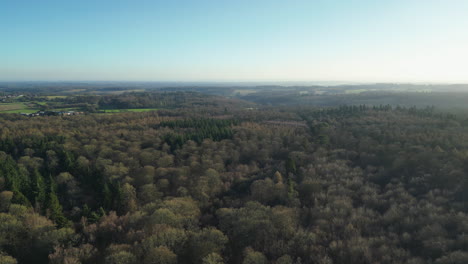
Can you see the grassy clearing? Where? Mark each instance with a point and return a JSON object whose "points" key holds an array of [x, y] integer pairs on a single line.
{"points": [[127, 91], [55, 96], [11, 106], [110, 111], [424, 90], [16, 108], [65, 109], [356, 91], [74, 91], [19, 111], [244, 92]]}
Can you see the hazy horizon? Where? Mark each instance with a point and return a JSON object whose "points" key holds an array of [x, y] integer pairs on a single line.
{"points": [[228, 84], [235, 42]]}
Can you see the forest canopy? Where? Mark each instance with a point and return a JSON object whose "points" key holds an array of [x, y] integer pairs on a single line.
{"points": [[208, 179]]}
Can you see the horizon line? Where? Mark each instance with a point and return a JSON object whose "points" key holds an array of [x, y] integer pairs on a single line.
{"points": [[264, 82]]}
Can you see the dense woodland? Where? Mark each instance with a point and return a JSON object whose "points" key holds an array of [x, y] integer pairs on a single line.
{"points": [[211, 180]]}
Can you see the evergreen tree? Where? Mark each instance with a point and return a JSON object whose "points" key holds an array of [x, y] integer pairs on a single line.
{"points": [[55, 210]]}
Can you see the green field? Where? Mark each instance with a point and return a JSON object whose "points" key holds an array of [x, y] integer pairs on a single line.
{"points": [[74, 91], [55, 96], [64, 109], [19, 111], [243, 92], [16, 108], [21, 107], [110, 111], [356, 91]]}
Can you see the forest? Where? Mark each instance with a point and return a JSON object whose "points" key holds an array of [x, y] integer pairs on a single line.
{"points": [[210, 179]]}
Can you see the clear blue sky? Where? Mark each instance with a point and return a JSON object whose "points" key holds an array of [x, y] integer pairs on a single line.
{"points": [[239, 40]]}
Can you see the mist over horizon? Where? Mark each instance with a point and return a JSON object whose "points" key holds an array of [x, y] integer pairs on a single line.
{"points": [[229, 83]]}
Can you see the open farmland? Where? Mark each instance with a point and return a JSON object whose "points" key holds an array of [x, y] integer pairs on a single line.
{"points": [[16, 108]]}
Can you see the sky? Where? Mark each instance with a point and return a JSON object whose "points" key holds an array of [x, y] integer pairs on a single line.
{"points": [[241, 40]]}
